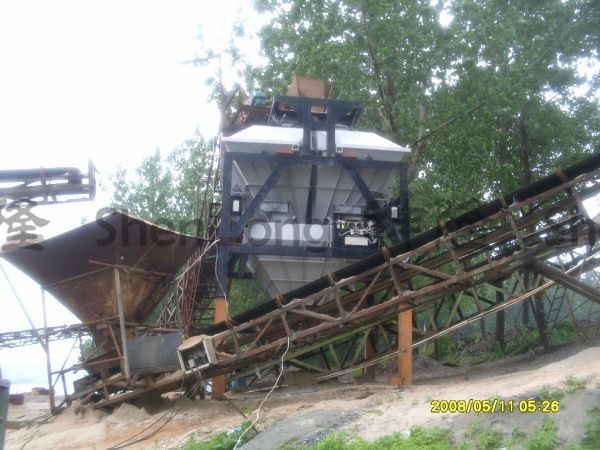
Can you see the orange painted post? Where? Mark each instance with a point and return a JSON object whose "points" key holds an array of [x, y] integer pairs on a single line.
{"points": [[219, 385], [405, 358]]}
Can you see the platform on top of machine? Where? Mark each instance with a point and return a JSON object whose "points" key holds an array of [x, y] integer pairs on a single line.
{"points": [[349, 143]]}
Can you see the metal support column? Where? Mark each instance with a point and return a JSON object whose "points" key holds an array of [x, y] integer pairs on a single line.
{"points": [[122, 323], [47, 350], [219, 384], [405, 358]]}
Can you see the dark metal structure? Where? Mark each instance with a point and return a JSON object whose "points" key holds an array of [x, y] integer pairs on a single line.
{"points": [[311, 115], [48, 185], [520, 245], [111, 274], [535, 242]]}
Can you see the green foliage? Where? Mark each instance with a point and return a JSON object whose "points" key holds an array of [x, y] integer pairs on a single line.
{"points": [[483, 437], [460, 350], [87, 347], [167, 191], [562, 333], [245, 294], [505, 73], [418, 438], [592, 429], [547, 393], [487, 437], [574, 384], [222, 441], [545, 438]]}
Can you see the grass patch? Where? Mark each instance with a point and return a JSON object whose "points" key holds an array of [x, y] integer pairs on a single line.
{"points": [[546, 438], [418, 438], [487, 437], [547, 393], [518, 436], [574, 384], [222, 441], [592, 430], [484, 437]]}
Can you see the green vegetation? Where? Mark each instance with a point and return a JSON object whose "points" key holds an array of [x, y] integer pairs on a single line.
{"points": [[487, 437], [550, 394], [458, 350], [166, 190], [482, 437], [87, 347], [592, 430], [478, 436], [222, 441], [244, 295], [545, 438], [574, 384], [417, 439]]}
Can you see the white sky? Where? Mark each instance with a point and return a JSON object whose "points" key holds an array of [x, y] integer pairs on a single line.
{"points": [[104, 81]]}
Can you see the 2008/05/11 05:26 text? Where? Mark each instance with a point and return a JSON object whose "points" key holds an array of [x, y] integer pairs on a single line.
{"points": [[495, 406]]}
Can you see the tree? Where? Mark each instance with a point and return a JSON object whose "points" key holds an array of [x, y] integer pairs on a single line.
{"points": [[494, 101], [373, 51], [168, 191], [520, 60], [495, 92]]}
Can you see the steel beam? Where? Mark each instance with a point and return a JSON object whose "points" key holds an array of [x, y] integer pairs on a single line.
{"points": [[567, 281]]}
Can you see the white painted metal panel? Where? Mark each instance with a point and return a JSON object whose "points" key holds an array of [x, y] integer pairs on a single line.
{"points": [[279, 274], [334, 186], [349, 143], [289, 234], [257, 138]]}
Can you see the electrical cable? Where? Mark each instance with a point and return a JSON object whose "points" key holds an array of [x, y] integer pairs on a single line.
{"points": [[266, 397], [172, 412], [198, 259]]}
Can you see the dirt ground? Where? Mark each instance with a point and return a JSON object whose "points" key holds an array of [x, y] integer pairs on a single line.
{"points": [[304, 412]]}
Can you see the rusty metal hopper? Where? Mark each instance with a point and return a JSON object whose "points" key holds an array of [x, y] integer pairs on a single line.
{"points": [[77, 267]]}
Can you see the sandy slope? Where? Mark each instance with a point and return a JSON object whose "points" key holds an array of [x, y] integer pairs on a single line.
{"points": [[298, 412]]}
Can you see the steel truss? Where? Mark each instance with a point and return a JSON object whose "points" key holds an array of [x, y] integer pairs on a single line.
{"points": [[12, 339], [537, 242]]}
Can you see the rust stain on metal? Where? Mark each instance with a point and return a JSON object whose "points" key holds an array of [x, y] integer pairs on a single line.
{"points": [[76, 266]]}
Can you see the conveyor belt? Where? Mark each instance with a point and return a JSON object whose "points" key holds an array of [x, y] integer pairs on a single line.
{"points": [[523, 245], [552, 181]]}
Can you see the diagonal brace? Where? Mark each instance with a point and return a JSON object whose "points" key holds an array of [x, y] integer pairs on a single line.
{"points": [[566, 280], [258, 199]]}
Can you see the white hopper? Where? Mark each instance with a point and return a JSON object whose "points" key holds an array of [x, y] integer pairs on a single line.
{"points": [[334, 187]]}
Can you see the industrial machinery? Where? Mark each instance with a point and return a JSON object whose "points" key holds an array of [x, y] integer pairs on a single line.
{"points": [[304, 193], [48, 185]]}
